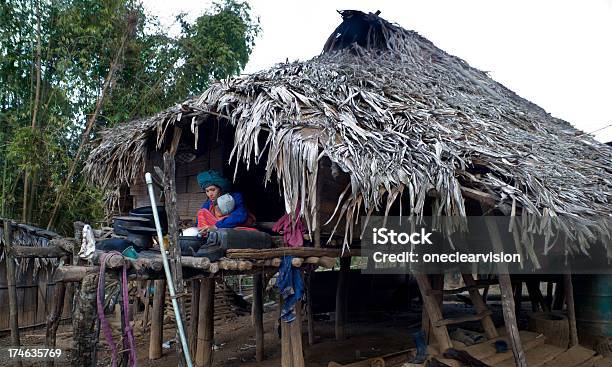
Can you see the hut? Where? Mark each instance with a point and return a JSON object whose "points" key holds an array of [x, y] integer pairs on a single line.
{"points": [[381, 122], [33, 282]]}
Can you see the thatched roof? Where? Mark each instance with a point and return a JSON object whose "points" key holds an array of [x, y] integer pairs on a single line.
{"points": [[26, 235], [400, 116]]}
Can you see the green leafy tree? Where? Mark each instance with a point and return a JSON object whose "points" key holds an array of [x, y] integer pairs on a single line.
{"points": [[54, 58]]}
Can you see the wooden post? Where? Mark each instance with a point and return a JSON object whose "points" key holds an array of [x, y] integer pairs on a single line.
{"points": [[505, 286], [54, 317], [83, 320], [341, 297], [147, 307], [571, 311], [309, 315], [480, 306], [157, 320], [433, 311], [173, 234], [194, 317], [317, 216], [206, 325], [295, 328], [258, 285], [12, 286]]}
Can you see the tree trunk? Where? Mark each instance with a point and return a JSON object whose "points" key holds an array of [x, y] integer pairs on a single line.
{"points": [[54, 317], [83, 319], [173, 235]]}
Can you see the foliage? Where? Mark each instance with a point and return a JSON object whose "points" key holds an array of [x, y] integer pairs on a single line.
{"points": [[78, 41]]}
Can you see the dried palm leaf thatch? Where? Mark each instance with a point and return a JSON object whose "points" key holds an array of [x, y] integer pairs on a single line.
{"points": [[401, 117], [26, 235]]}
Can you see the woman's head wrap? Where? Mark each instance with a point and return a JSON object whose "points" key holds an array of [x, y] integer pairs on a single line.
{"points": [[212, 177]]}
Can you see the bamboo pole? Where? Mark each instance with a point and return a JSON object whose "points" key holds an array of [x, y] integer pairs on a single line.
{"points": [[341, 298], [571, 311], [258, 288], [12, 286], [157, 320], [206, 332]]}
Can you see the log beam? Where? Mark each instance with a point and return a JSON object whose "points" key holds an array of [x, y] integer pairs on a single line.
{"points": [[157, 320], [38, 252]]}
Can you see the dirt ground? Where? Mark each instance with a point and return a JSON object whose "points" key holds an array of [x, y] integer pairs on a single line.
{"points": [[368, 336]]}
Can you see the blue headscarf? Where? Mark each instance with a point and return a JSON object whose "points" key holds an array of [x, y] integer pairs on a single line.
{"points": [[212, 177]]}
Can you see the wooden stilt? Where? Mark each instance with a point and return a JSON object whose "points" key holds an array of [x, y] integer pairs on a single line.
{"points": [[430, 303], [83, 322], [309, 315], [12, 286], [480, 306], [518, 297], [147, 308], [559, 298], [157, 320], [286, 351], [571, 311], [549, 294], [206, 332], [193, 318], [54, 317], [505, 286], [297, 354], [341, 297], [536, 297], [258, 288]]}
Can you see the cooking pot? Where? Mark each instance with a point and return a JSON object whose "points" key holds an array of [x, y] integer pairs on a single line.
{"points": [[147, 212]]}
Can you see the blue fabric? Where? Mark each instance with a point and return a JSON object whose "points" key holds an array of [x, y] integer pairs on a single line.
{"points": [[291, 287], [212, 177], [238, 216]]}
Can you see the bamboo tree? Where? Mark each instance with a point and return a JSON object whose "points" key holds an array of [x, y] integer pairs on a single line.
{"points": [[115, 64], [27, 204]]}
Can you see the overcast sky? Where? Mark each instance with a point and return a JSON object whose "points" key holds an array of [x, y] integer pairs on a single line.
{"points": [[558, 54]]}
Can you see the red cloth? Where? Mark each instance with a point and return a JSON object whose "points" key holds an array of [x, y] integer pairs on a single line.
{"points": [[207, 218], [293, 233]]}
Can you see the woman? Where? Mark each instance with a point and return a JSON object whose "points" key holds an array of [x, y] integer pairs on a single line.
{"points": [[218, 211]]}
